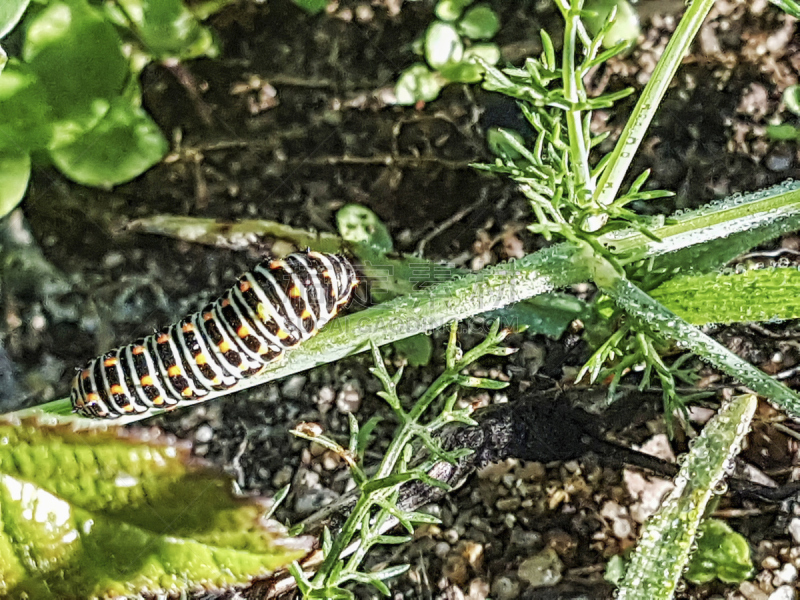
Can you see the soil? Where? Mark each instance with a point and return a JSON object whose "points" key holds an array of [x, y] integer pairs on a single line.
{"points": [[289, 124]]}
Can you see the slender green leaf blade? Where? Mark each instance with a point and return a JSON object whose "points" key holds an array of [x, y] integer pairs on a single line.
{"points": [[754, 295], [667, 539], [788, 6]]}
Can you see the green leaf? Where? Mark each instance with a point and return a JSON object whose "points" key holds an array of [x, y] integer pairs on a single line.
{"points": [[462, 72], [417, 349], [626, 26], [549, 314], [788, 6], [3, 59], [488, 53], [721, 553], [121, 512], [25, 115], [754, 295], [417, 83], [11, 12], [791, 98], [783, 132], [123, 145], [312, 7], [668, 537], [15, 170], [450, 10], [168, 29], [443, 45], [78, 58], [480, 23], [359, 225]]}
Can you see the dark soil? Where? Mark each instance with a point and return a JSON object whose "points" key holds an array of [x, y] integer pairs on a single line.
{"points": [[290, 124]]}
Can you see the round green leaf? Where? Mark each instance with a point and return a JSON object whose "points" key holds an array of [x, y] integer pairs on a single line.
{"points": [[721, 553], [791, 98], [417, 83], [11, 12], [480, 23], [25, 115], [78, 58], [463, 72], [488, 53], [168, 29], [15, 170], [443, 45], [359, 225], [123, 145], [450, 10]]}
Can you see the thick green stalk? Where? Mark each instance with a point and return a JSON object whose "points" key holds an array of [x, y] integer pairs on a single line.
{"points": [[756, 218], [633, 134], [667, 325], [668, 537]]}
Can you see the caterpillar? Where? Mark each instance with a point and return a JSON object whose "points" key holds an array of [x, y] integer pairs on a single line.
{"points": [[276, 306]]}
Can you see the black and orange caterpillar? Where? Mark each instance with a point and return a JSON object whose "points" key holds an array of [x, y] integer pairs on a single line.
{"points": [[275, 306]]}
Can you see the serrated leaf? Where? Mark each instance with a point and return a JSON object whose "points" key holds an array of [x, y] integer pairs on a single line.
{"points": [[77, 56], [123, 145], [120, 512], [754, 295], [11, 12], [15, 171], [668, 537], [168, 29]]}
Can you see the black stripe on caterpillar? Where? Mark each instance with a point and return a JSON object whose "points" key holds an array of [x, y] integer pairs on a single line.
{"points": [[276, 306]]}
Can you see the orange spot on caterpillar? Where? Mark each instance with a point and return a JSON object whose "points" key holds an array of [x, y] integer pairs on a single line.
{"points": [[85, 374], [225, 302], [244, 286], [207, 316], [146, 380], [282, 334], [201, 359], [158, 401], [93, 397], [187, 328], [186, 392], [174, 371], [163, 338], [109, 362], [117, 390], [137, 350], [243, 331], [294, 292], [224, 346], [306, 314]]}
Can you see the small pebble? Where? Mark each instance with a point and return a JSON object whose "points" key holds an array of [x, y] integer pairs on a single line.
{"points": [[293, 387], [786, 574], [785, 592], [505, 588], [794, 530], [770, 563], [752, 592], [441, 549], [543, 569], [349, 399], [204, 434]]}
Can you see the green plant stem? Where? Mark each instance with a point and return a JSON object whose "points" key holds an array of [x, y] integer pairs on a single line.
{"points": [[664, 323], [767, 214], [633, 134], [579, 153]]}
